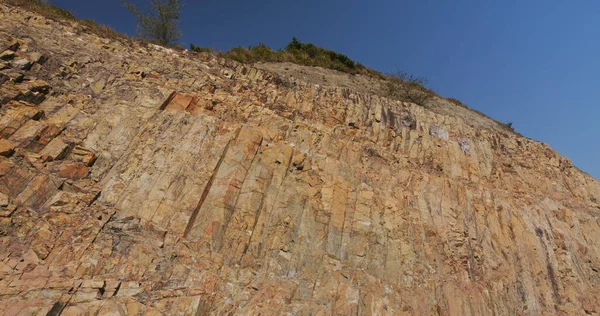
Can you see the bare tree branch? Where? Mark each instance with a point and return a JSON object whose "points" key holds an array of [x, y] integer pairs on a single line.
{"points": [[159, 24]]}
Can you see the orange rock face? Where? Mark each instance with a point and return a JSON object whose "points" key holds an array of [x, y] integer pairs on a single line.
{"points": [[136, 180]]}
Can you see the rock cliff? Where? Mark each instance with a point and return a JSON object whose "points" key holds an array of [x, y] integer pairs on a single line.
{"points": [[139, 180]]}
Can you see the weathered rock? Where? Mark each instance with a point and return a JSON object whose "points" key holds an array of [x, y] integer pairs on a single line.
{"points": [[72, 170], [21, 63], [8, 42], [7, 55], [56, 149], [81, 154], [7, 148], [156, 182], [36, 57], [11, 76], [28, 133], [3, 200]]}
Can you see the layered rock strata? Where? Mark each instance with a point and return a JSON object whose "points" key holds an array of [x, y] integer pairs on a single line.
{"points": [[136, 180]]}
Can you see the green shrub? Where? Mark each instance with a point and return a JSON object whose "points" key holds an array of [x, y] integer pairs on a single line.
{"points": [[200, 49], [406, 87], [261, 52], [298, 53], [400, 85]]}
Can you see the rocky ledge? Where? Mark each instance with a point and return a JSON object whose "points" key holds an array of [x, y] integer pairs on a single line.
{"points": [[137, 180]]}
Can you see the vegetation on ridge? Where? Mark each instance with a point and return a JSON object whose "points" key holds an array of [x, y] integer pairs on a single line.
{"points": [[51, 11], [43, 7], [159, 24], [404, 86], [398, 85], [298, 53]]}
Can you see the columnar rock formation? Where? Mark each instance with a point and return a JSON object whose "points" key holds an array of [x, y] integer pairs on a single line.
{"points": [[139, 180]]}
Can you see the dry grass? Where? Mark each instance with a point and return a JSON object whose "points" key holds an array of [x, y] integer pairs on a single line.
{"points": [[398, 87], [406, 87], [457, 102], [44, 8], [58, 14], [298, 53]]}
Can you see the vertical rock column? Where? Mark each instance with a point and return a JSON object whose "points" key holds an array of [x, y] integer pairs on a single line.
{"points": [[217, 203]]}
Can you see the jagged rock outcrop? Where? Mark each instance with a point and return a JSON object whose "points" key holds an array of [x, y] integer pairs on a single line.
{"points": [[138, 180]]}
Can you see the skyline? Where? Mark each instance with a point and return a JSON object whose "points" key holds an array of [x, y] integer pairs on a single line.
{"points": [[533, 64]]}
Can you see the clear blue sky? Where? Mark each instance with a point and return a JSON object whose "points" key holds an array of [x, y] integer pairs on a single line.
{"points": [[535, 63]]}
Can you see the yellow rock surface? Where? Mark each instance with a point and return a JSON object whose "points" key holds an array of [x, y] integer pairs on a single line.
{"points": [[143, 181]]}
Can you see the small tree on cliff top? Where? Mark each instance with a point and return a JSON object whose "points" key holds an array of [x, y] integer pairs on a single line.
{"points": [[159, 24]]}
